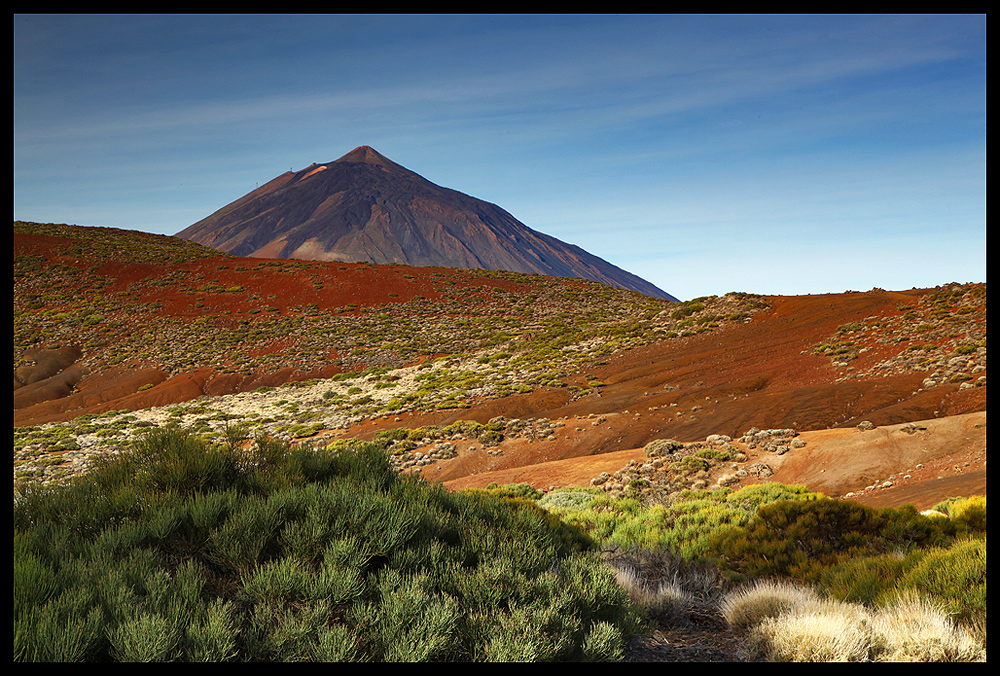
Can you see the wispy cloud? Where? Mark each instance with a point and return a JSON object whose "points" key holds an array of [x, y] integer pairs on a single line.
{"points": [[744, 127]]}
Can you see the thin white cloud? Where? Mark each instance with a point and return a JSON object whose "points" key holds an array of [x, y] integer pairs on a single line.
{"points": [[709, 124]]}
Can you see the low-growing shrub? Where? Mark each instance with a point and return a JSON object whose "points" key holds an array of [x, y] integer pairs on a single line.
{"points": [[968, 514], [568, 499], [690, 465], [686, 524], [396, 434], [955, 576], [181, 549], [867, 579], [519, 490], [800, 539], [659, 447], [716, 454]]}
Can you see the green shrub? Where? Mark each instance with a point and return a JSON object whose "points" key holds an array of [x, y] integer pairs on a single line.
{"points": [[968, 514], [867, 579], [469, 428], [396, 434], [183, 549], [659, 447], [686, 524], [426, 432], [519, 490], [687, 309], [955, 575], [488, 437], [690, 465], [716, 454], [568, 499], [799, 539], [751, 498]]}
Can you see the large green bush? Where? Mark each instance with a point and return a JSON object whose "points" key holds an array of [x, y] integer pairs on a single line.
{"points": [[800, 539], [954, 575], [684, 525], [185, 550]]}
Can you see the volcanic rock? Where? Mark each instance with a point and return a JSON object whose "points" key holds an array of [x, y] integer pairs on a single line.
{"points": [[365, 207]]}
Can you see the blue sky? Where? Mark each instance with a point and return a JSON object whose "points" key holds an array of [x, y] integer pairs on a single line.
{"points": [[783, 154]]}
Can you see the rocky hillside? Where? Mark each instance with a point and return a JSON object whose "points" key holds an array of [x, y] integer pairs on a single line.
{"points": [[475, 376], [85, 310]]}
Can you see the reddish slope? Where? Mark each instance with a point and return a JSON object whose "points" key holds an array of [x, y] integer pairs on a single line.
{"points": [[227, 292], [945, 459], [765, 372]]}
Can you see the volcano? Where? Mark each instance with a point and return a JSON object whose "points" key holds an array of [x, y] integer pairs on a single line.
{"points": [[365, 207]]}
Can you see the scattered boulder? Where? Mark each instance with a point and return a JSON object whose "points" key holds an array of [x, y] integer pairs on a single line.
{"points": [[728, 480], [759, 469], [778, 441]]}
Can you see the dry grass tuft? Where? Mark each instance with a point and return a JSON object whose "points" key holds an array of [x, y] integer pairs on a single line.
{"points": [[764, 599], [667, 601], [668, 587], [785, 622], [817, 631], [915, 629]]}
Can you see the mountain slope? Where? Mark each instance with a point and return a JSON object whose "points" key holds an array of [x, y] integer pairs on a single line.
{"points": [[116, 330], [365, 207]]}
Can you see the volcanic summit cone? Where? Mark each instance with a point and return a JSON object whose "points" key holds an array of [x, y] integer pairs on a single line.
{"points": [[365, 207]]}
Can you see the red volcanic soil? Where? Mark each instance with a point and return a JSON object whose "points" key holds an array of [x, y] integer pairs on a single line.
{"points": [[942, 458], [229, 291], [946, 459], [286, 283], [762, 373], [758, 374]]}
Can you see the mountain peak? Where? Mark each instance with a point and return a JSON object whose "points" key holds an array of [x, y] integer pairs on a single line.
{"points": [[364, 206], [366, 155]]}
